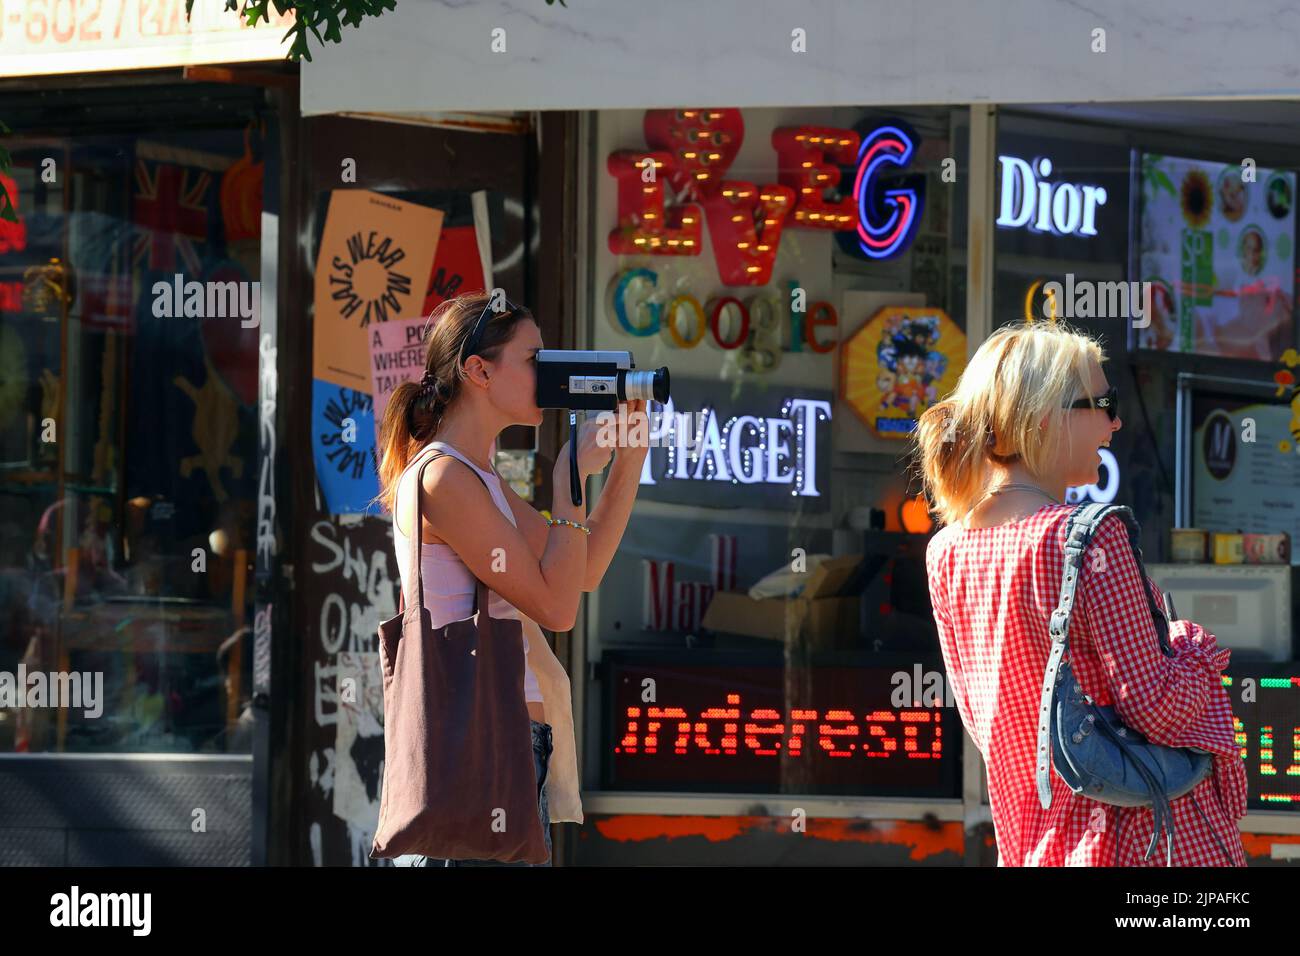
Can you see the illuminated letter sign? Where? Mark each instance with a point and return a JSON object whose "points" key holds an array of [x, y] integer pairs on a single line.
{"points": [[713, 449], [887, 217], [788, 447], [701, 144], [746, 249], [728, 727], [802, 153], [693, 149], [1103, 494], [1065, 209], [644, 226]]}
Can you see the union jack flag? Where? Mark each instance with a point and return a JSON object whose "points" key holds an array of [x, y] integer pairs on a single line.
{"points": [[171, 213]]}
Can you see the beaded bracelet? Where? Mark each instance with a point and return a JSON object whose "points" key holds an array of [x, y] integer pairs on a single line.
{"points": [[572, 524]]}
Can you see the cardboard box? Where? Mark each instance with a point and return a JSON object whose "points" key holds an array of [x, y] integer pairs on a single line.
{"points": [[824, 617], [830, 577]]}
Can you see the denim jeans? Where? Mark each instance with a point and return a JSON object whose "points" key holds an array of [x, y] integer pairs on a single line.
{"points": [[542, 748]]}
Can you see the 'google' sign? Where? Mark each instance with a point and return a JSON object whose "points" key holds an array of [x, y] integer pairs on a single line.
{"points": [[636, 306]]}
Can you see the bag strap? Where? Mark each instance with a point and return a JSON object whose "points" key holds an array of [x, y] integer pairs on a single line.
{"points": [[1081, 526], [480, 589]]}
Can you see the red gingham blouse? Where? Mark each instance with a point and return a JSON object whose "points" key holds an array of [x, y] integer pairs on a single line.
{"points": [[993, 590]]}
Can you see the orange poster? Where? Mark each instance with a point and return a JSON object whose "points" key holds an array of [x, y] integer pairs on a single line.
{"points": [[898, 364], [374, 262]]}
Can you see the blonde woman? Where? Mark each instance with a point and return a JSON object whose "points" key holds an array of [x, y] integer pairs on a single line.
{"points": [[1025, 423]]}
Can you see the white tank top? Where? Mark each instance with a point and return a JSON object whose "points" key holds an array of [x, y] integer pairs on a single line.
{"points": [[448, 582]]}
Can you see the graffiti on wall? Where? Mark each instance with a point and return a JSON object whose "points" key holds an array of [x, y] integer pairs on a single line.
{"points": [[354, 589]]}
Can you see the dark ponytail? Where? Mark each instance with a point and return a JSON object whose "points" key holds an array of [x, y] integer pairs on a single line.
{"points": [[416, 409]]}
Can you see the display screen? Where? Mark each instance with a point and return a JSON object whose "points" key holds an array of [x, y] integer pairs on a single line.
{"points": [[881, 729], [1245, 472], [1218, 249], [1266, 714]]}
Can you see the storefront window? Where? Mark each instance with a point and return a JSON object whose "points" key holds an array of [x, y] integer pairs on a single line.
{"points": [[765, 625], [1167, 231], [129, 299]]}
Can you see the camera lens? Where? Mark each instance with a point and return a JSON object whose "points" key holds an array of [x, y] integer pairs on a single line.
{"points": [[646, 385]]}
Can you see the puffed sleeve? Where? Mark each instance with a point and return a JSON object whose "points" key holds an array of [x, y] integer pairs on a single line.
{"points": [[1159, 696]]}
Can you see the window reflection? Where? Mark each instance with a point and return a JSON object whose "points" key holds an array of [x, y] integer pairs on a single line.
{"points": [[127, 444]]}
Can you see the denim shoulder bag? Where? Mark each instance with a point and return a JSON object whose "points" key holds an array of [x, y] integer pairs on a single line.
{"points": [[1091, 749]]}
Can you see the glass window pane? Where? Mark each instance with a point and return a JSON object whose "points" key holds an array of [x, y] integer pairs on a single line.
{"points": [[128, 442]]}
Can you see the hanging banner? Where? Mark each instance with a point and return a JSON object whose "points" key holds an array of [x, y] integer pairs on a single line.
{"points": [[343, 448], [374, 254]]}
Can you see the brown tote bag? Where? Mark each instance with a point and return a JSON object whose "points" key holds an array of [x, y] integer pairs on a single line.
{"points": [[459, 779]]}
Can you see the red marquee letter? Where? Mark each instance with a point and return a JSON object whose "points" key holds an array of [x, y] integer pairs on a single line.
{"points": [[801, 153], [644, 226]]}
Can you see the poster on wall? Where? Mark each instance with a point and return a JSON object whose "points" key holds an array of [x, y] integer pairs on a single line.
{"points": [[1218, 249], [1238, 485], [343, 448], [396, 356], [457, 267], [899, 363], [740, 445], [375, 254], [850, 431]]}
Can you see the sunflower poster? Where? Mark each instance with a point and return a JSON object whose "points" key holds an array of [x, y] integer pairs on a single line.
{"points": [[1218, 249]]}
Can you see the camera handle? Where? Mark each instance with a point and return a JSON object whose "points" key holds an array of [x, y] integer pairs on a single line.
{"points": [[575, 482]]}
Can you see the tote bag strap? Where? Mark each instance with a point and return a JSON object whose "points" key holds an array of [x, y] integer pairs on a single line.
{"points": [[480, 589]]}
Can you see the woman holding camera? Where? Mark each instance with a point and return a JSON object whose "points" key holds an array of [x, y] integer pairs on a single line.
{"points": [[480, 376]]}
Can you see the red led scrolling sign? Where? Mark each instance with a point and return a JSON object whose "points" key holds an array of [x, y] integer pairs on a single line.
{"points": [[911, 734]]}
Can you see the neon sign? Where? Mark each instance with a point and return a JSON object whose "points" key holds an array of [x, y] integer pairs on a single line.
{"points": [[1065, 209], [1103, 494], [693, 149], [887, 218], [13, 238], [744, 450]]}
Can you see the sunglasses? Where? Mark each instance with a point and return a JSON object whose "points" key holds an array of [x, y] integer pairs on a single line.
{"points": [[471, 344], [1108, 402]]}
